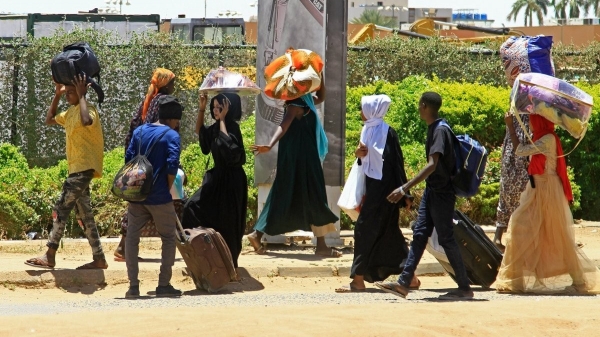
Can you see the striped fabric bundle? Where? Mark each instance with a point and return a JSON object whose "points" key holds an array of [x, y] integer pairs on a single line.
{"points": [[294, 74]]}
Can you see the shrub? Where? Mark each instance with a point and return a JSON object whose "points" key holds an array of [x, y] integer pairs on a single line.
{"points": [[16, 218], [10, 156], [472, 108]]}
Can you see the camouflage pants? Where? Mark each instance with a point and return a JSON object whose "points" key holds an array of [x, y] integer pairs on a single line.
{"points": [[76, 194]]}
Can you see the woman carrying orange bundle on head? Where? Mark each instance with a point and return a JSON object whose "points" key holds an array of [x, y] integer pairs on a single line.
{"points": [[541, 254], [162, 83]]}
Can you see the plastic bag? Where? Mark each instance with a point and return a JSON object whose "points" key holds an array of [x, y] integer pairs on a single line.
{"points": [[354, 192], [223, 80], [556, 100], [134, 181]]}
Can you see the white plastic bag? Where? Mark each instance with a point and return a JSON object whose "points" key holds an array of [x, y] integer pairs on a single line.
{"points": [[434, 248], [353, 193]]}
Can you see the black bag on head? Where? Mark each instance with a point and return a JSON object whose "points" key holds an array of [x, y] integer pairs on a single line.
{"points": [[134, 181], [76, 59]]}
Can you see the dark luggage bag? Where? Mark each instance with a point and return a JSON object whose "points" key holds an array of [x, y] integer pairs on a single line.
{"points": [[481, 257], [206, 256]]}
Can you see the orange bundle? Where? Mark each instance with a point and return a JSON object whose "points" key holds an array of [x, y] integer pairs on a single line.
{"points": [[294, 74]]}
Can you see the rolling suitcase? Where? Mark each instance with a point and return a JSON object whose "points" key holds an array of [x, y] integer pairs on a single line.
{"points": [[481, 257], [206, 256]]}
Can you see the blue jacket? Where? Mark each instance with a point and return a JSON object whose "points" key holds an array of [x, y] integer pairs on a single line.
{"points": [[164, 158]]}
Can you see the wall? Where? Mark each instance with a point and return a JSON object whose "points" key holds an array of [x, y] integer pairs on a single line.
{"points": [[577, 35]]}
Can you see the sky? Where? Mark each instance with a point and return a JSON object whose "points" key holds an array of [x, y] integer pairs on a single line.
{"points": [[496, 9]]}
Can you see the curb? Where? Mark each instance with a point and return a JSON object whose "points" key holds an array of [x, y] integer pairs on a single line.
{"points": [[67, 278]]}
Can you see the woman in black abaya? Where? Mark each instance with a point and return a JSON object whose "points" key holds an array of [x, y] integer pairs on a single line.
{"points": [[221, 201], [380, 248]]}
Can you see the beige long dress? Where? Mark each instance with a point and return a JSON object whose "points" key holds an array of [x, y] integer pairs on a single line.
{"points": [[541, 254]]}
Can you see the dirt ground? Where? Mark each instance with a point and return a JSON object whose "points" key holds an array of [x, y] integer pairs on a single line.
{"points": [[549, 316], [385, 315]]}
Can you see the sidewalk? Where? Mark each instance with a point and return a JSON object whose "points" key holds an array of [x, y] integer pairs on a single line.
{"points": [[281, 261]]}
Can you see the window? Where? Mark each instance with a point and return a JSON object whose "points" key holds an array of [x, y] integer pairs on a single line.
{"points": [[215, 35], [379, 3], [182, 32], [352, 4]]}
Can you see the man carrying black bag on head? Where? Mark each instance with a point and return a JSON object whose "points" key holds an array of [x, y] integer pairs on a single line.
{"points": [[164, 143]]}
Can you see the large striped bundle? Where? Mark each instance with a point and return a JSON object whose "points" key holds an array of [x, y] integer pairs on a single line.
{"points": [[294, 74], [526, 54]]}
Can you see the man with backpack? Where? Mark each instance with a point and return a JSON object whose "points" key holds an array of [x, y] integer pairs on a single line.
{"points": [[160, 144], [437, 204]]}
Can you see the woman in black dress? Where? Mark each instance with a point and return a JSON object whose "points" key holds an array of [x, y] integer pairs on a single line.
{"points": [[221, 201], [379, 246]]}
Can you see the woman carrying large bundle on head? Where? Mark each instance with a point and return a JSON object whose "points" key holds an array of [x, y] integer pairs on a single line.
{"points": [[297, 200], [541, 253]]}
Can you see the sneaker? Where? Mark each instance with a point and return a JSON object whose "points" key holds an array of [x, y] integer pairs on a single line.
{"points": [[168, 290], [457, 295], [133, 292]]}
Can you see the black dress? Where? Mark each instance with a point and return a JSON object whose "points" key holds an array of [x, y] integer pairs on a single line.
{"points": [[221, 201], [380, 249]]}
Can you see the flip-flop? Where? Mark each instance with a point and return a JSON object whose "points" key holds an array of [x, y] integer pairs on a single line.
{"points": [[36, 262], [261, 251], [90, 265], [349, 289], [389, 288], [254, 242], [122, 259], [415, 287], [332, 253], [455, 295]]}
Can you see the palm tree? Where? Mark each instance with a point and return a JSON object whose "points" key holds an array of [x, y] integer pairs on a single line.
{"points": [[594, 5], [373, 16], [539, 8], [564, 9]]}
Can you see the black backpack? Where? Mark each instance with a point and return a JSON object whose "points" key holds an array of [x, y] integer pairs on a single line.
{"points": [[77, 58]]}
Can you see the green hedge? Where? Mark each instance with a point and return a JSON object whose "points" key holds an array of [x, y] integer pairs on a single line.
{"points": [[26, 88], [476, 109]]}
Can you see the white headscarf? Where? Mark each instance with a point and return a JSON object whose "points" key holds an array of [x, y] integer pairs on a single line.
{"points": [[374, 133]]}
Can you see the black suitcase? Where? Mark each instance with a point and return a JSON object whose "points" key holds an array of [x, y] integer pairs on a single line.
{"points": [[481, 257]]}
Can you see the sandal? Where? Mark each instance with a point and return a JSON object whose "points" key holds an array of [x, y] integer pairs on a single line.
{"points": [[349, 289], [393, 288], [92, 265], [457, 295], [261, 251], [414, 287], [255, 243], [39, 263], [332, 253]]}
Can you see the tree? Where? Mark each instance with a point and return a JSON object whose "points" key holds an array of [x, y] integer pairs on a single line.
{"points": [[569, 9], [373, 16], [539, 8], [594, 5]]}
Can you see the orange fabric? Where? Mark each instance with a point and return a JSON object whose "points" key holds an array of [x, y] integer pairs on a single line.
{"points": [[541, 127], [293, 75], [160, 78]]}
